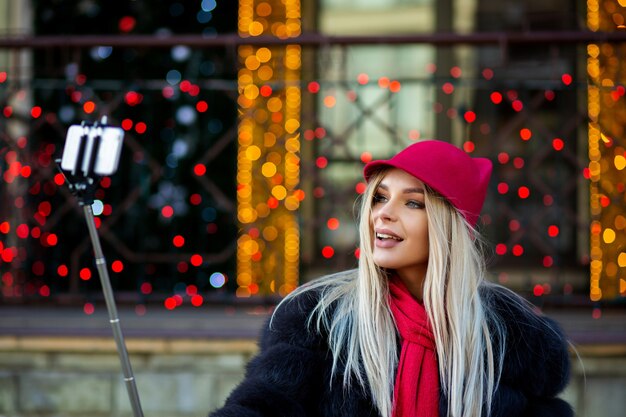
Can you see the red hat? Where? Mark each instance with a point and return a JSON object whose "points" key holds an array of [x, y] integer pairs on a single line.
{"points": [[461, 179]]}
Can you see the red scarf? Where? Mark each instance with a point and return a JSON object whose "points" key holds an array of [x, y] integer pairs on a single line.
{"points": [[416, 390]]}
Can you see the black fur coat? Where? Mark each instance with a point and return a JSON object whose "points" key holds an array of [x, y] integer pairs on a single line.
{"points": [[290, 375]]}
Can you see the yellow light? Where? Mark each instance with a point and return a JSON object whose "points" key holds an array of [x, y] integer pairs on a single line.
{"points": [[621, 260], [255, 28], [620, 162], [279, 192], [264, 54], [268, 169], [253, 153], [608, 236], [270, 233]]}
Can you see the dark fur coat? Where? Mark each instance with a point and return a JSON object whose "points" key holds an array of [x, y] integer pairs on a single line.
{"points": [[290, 375]]}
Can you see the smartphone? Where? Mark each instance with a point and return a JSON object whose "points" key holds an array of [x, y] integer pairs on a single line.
{"points": [[92, 150]]}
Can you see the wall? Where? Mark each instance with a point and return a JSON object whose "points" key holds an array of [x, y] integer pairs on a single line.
{"points": [[80, 376]]}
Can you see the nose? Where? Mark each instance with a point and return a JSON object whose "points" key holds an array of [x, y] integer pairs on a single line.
{"points": [[385, 212]]}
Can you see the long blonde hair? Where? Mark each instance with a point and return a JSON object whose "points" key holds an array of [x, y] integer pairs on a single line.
{"points": [[353, 309]]}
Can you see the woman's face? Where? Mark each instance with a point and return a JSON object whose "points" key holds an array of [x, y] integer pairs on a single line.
{"points": [[401, 228]]}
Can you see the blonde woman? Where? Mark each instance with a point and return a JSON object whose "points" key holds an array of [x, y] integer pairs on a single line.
{"points": [[416, 330]]}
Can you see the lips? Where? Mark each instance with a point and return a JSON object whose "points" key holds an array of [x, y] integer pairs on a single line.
{"points": [[386, 238]]}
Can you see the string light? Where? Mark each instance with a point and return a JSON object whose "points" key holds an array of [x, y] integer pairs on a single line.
{"points": [[606, 158], [268, 159]]}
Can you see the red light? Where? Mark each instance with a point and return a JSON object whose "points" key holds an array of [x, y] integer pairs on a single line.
{"points": [[197, 300], [547, 261], [195, 199], [52, 239], [140, 127], [299, 194], [170, 303], [22, 231], [605, 201], [360, 187], [357, 253], [523, 192], [38, 268], [487, 73], [503, 188], [7, 111], [127, 23], [496, 97], [549, 95], [191, 289], [25, 171], [309, 134], [500, 249], [455, 72], [145, 288], [586, 173], [553, 231], [167, 92], [333, 223], [202, 105], [394, 87], [89, 309], [199, 170], [182, 267], [538, 290], [383, 82], [321, 162], [272, 202], [3, 76], [178, 241], [362, 78], [89, 107], [196, 260], [366, 157], [44, 291], [518, 250], [35, 112], [313, 87], [167, 212], [132, 98], [503, 157], [85, 274], [320, 132], [117, 266], [517, 105], [469, 146], [448, 88], [62, 270], [44, 208], [59, 179], [5, 227], [567, 79], [557, 144], [548, 200], [328, 252], [514, 225], [525, 134], [184, 86], [265, 91], [469, 116], [518, 162]]}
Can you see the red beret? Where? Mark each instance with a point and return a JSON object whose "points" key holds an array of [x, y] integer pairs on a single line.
{"points": [[461, 179]]}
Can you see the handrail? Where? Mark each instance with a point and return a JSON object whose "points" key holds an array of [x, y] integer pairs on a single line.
{"points": [[308, 39]]}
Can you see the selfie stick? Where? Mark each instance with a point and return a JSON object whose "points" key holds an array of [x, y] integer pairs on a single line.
{"points": [[83, 185]]}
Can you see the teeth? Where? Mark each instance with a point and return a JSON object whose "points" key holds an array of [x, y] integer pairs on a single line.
{"points": [[386, 236]]}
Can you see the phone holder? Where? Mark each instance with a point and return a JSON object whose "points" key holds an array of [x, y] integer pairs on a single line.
{"points": [[92, 151]]}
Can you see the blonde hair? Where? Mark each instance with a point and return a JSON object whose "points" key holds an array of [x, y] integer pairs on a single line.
{"points": [[353, 309]]}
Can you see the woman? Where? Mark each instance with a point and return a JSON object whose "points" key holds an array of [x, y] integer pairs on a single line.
{"points": [[416, 330]]}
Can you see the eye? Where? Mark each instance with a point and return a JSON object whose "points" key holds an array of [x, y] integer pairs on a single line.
{"points": [[378, 198], [415, 204]]}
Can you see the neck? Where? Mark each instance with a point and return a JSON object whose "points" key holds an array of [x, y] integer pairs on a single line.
{"points": [[414, 283]]}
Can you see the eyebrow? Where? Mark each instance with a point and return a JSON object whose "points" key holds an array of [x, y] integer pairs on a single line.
{"points": [[416, 190]]}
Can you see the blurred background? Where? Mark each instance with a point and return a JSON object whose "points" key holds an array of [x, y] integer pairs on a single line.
{"points": [[247, 125]]}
